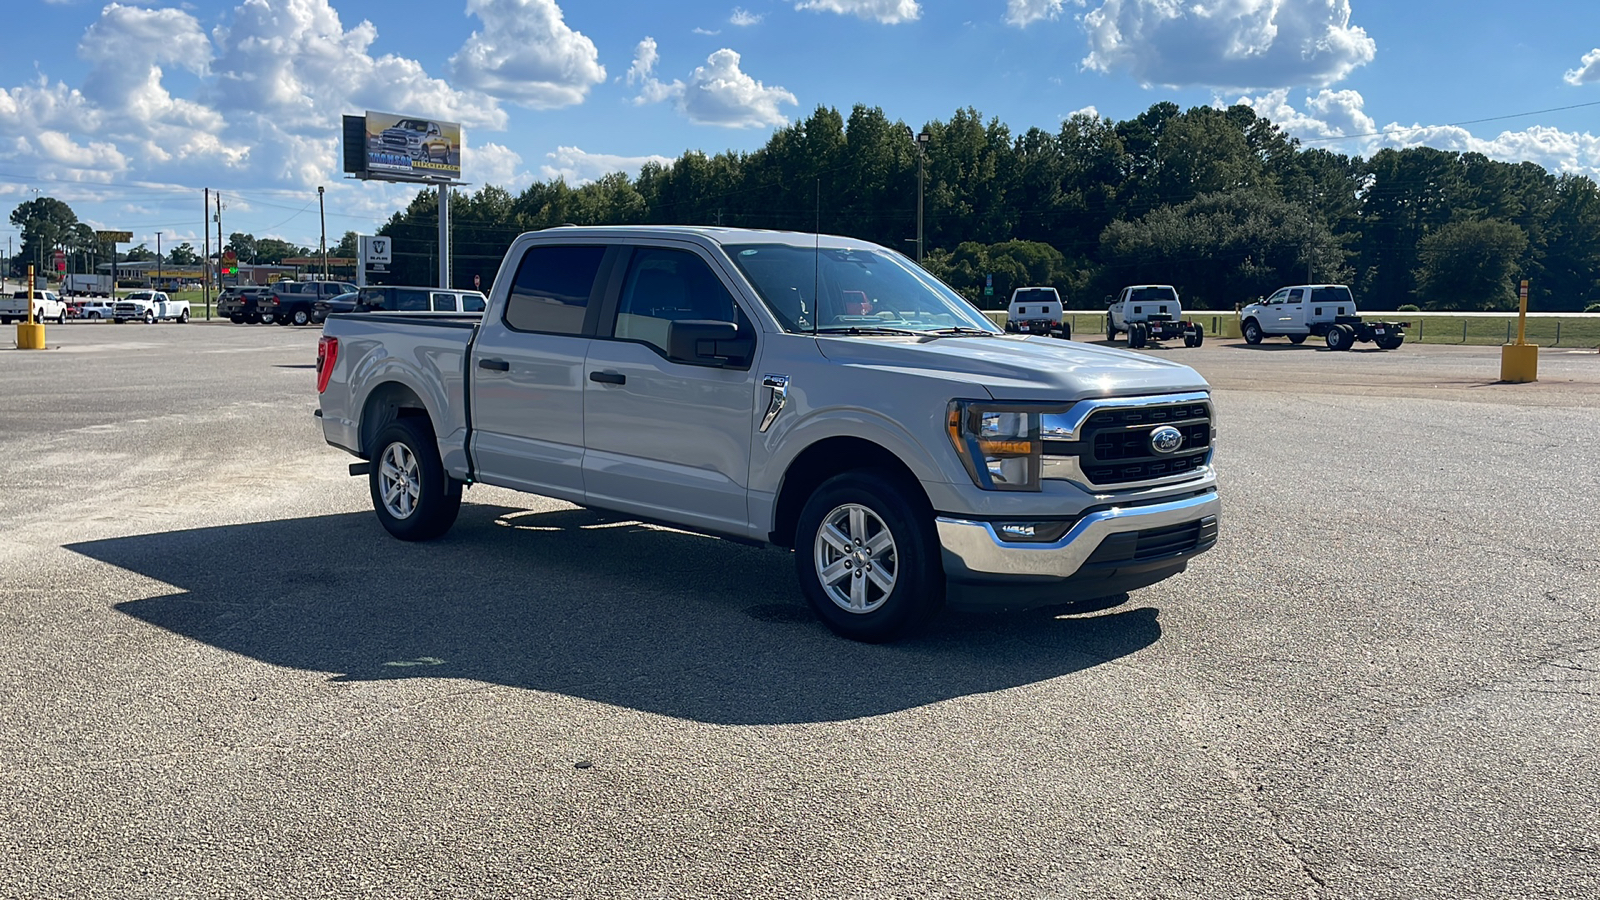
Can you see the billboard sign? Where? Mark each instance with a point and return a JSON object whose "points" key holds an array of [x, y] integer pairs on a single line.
{"points": [[412, 148], [114, 237]]}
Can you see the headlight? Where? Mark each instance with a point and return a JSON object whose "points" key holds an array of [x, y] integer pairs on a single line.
{"points": [[997, 442]]}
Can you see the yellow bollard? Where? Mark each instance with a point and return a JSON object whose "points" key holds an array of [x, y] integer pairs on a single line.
{"points": [[30, 334], [1519, 362]]}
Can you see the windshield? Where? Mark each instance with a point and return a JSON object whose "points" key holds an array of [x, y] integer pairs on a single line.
{"points": [[412, 125], [140, 295], [1153, 293], [845, 289]]}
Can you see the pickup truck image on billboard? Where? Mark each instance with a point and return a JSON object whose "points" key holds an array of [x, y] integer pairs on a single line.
{"points": [[413, 148]]}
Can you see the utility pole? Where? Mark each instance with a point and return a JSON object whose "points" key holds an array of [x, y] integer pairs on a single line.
{"points": [[221, 247], [205, 228], [158, 257], [322, 213]]}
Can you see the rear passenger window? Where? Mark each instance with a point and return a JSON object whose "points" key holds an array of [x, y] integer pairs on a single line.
{"points": [[472, 303], [409, 301], [443, 302], [551, 290]]}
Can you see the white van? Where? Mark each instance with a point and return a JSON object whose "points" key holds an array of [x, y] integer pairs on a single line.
{"points": [[1037, 310]]}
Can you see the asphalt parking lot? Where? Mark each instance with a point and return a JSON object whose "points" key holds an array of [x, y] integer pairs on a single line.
{"points": [[220, 678]]}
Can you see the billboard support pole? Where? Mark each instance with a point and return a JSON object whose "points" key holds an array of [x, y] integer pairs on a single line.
{"points": [[444, 236]]}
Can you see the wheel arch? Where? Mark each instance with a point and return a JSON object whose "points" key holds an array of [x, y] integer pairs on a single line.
{"points": [[824, 459], [386, 403]]}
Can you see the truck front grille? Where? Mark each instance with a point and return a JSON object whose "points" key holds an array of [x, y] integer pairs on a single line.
{"points": [[1114, 447]]}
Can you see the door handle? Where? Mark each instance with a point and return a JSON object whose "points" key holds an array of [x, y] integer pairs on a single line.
{"points": [[498, 365], [608, 378]]}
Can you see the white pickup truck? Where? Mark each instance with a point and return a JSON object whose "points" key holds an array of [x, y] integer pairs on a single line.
{"points": [[47, 306], [824, 395], [1327, 311], [150, 307]]}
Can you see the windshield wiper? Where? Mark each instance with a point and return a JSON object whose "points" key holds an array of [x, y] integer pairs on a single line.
{"points": [[869, 329], [961, 329]]}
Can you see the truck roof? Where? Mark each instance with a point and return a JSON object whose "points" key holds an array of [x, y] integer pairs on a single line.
{"points": [[713, 233]]}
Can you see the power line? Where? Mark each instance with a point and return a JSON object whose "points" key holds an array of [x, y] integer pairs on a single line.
{"points": [[1385, 133]]}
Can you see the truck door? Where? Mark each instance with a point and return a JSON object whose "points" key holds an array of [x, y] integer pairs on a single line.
{"points": [[526, 373], [1293, 314], [668, 438]]}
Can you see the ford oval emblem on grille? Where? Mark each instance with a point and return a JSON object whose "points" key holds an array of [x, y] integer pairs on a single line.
{"points": [[1166, 439]]}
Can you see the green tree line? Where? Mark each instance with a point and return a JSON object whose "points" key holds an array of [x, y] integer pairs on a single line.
{"points": [[1218, 202]]}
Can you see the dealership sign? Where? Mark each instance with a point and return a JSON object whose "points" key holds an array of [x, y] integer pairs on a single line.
{"points": [[392, 147]]}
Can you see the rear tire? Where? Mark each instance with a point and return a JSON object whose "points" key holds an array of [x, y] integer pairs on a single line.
{"points": [[1252, 332], [1340, 337], [266, 318], [237, 319], [1111, 330], [1066, 331], [413, 497], [868, 557], [183, 317], [1390, 343], [301, 317]]}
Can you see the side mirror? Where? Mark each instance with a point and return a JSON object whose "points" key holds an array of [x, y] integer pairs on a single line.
{"points": [[707, 342]]}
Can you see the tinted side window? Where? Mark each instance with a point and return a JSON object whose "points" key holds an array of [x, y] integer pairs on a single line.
{"points": [[443, 302], [551, 290], [407, 300], [472, 302], [664, 286]]}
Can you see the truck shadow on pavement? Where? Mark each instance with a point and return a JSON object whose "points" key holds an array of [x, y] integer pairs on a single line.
{"points": [[588, 605]]}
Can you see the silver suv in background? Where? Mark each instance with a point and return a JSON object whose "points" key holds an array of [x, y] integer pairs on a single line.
{"points": [[819, 394]]}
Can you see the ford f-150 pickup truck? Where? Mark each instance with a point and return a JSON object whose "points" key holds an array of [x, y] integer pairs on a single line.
{"points": [[820, 394]]}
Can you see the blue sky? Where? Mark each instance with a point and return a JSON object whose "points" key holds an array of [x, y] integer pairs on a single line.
{"points": [[127, 111]]}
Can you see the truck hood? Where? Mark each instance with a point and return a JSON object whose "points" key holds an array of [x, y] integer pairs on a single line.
{"points": [[1017, 367]]}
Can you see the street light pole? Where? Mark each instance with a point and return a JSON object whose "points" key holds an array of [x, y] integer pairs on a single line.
{"points": [[921, 142], [322, 214], [158, 258]]}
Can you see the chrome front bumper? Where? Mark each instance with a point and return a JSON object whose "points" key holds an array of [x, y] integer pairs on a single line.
{"points": [[974, 552]]}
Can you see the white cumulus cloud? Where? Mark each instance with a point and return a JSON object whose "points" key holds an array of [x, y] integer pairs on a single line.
{"points": [[642, 72], [1227, 43], [1329, 114], [1588, 70], [744, 18], [1023, 13], [720, 93], [577, 166], [496, 164], [889, 12], [717, 93], [526, 54]]}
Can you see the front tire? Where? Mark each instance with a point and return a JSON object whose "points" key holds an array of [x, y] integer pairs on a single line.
{"points": [[868, 557], [1252, 332], [300, 317], [413, 497], [149, 318]]}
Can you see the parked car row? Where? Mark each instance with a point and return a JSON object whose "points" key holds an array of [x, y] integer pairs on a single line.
{"points": [[311, 302]]}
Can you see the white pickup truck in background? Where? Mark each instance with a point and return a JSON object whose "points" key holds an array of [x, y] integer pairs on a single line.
{"points": [[819, 394], [47, 307], [150, 307]]}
